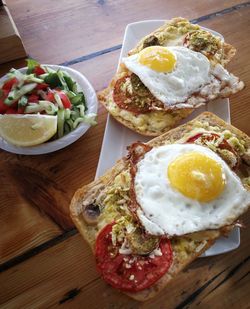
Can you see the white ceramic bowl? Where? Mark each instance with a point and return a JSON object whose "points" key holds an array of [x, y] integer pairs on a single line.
{"points": [[92, 103]]}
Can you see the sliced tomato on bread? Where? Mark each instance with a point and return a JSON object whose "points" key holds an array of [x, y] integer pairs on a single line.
{"points": [[129, 272]]}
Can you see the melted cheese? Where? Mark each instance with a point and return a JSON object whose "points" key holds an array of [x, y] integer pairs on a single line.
{"points": [[153, 121]]}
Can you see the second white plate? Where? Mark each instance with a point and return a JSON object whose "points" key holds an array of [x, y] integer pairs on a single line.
{"points": [[117, 137]]}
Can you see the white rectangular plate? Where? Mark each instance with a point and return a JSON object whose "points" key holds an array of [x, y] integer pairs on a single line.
{"points": [[117, 137]]}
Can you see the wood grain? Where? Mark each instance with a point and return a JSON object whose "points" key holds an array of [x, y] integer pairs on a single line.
{"points": [[49, 181], [65, 275], [44, 184], [4, 68], [23, 225], [35, 191], [57, 31], [46, 180]]}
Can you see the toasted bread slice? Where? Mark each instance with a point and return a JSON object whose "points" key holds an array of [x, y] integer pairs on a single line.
{"points": [[157, 122], [160, 120], [186, 248], [174, 31], [153, 123]]}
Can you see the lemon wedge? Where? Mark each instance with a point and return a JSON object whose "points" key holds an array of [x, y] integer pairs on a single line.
{"points": [[27, 130]]}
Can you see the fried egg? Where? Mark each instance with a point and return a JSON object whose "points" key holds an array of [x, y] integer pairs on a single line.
{"points": [[185, 188], [172, 74]]}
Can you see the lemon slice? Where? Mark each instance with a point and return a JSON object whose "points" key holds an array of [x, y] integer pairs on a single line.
{"points": [[27, 130]]}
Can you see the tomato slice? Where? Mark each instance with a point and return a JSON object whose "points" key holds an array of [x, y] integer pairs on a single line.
{"points": [[33, 98], [128, 101], [223, 144], [11, 110], [38, 70], [131, 273], [65, 100], [209, 137], [50, 96], [42, 86]]}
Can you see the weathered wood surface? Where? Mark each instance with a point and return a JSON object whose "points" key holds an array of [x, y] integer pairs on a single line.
{"points": [[58, 31], [45, 267], [65, 275]]}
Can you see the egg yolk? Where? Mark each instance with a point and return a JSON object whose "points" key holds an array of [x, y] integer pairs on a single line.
{"points": [[197, 176], [157, 58]]}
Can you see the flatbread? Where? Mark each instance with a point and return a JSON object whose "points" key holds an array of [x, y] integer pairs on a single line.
{"points": [[196, 243], [173, 33]]}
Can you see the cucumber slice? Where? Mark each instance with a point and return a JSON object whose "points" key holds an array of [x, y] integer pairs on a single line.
{"points": [[16, 94], [60, 122]]}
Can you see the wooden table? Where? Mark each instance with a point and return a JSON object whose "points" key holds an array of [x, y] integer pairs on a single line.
{"points": [[44, 261]]}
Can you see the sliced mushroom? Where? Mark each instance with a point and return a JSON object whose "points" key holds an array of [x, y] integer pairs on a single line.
{"points": [[151, 41], [142, 243], [91, 213], [231, 158]]}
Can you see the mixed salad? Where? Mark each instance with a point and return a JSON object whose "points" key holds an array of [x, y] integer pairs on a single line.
{"points": [[46, 91]]}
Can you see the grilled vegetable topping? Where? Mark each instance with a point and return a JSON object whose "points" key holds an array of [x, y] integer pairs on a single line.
{"points": [[141, 243]]}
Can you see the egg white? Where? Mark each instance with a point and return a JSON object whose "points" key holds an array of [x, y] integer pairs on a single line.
{"points": [[191, 72], [164, 210]]}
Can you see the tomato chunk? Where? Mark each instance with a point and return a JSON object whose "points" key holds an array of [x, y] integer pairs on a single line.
{"points": [[38, 70], [50, 96], [11, 110], [131, 273], [33, 98], [65, 100], [42, 86]]}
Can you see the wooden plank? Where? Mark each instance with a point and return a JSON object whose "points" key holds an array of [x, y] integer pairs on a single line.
{"points": [[57, 31], [41, 190], [23, 226], [5, 67], [65, 275], [106, 64], [40, 184]]}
